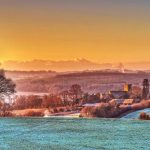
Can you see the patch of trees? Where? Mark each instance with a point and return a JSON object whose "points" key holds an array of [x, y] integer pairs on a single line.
{"points": [[144, 116], [136, 92], [66, 98], [74, 96], [7, 88], [29, 102]]}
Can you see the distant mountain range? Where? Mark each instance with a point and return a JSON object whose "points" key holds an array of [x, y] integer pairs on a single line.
{"points": [[70, 65], [138, 65]]}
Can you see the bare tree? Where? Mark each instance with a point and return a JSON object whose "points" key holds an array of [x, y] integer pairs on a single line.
{"points": [[76, 91], [7, 86], [136, 92], [64, 95]]}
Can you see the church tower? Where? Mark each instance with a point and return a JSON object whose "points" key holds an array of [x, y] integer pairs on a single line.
{"points": [[145, 94]]}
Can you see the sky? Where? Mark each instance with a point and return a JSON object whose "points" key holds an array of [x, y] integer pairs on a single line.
{"points": [[97, 30]]}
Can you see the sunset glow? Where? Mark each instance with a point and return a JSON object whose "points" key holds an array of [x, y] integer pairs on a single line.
{"points": [[98, 30]]}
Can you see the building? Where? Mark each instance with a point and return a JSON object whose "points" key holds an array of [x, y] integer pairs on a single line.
{"points": [[128, 101], [116, 102], [90, 105], [124, 94], [128, 87], [145, 92], [119, 94]]}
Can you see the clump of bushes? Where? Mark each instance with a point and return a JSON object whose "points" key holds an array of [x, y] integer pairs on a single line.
{"points": [[144, 116], [103, 110], [6, 114], [61, 109], [32, 113]]}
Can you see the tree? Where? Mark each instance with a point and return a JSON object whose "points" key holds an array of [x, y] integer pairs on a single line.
{"points": [[64, 95], [1, 104], [7, 86], [51, 101], [136, 92], [20, 102], [85, 98], [76, 92]]}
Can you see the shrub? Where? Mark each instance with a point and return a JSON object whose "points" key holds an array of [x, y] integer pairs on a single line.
{"points": [[104, 110], [144, 116], [6, 114], [34, 114]]}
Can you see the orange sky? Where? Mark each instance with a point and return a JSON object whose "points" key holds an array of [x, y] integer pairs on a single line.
{"points": [[96, 30]]}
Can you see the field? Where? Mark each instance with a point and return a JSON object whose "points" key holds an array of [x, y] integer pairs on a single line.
{"points": [[74, 134]]}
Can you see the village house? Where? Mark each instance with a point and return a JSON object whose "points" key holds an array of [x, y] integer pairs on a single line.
{"points": [[128, 102], [116, 102]]}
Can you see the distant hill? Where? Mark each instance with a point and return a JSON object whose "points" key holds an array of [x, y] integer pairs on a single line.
{"points": [[90, 81]]}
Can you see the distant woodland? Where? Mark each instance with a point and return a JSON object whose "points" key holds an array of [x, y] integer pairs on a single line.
{"points": [[90, 81]]}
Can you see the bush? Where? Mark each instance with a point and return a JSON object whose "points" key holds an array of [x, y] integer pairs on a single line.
{"points": [[34, 114], [144, 116], [6, 114], [104, 110]]}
